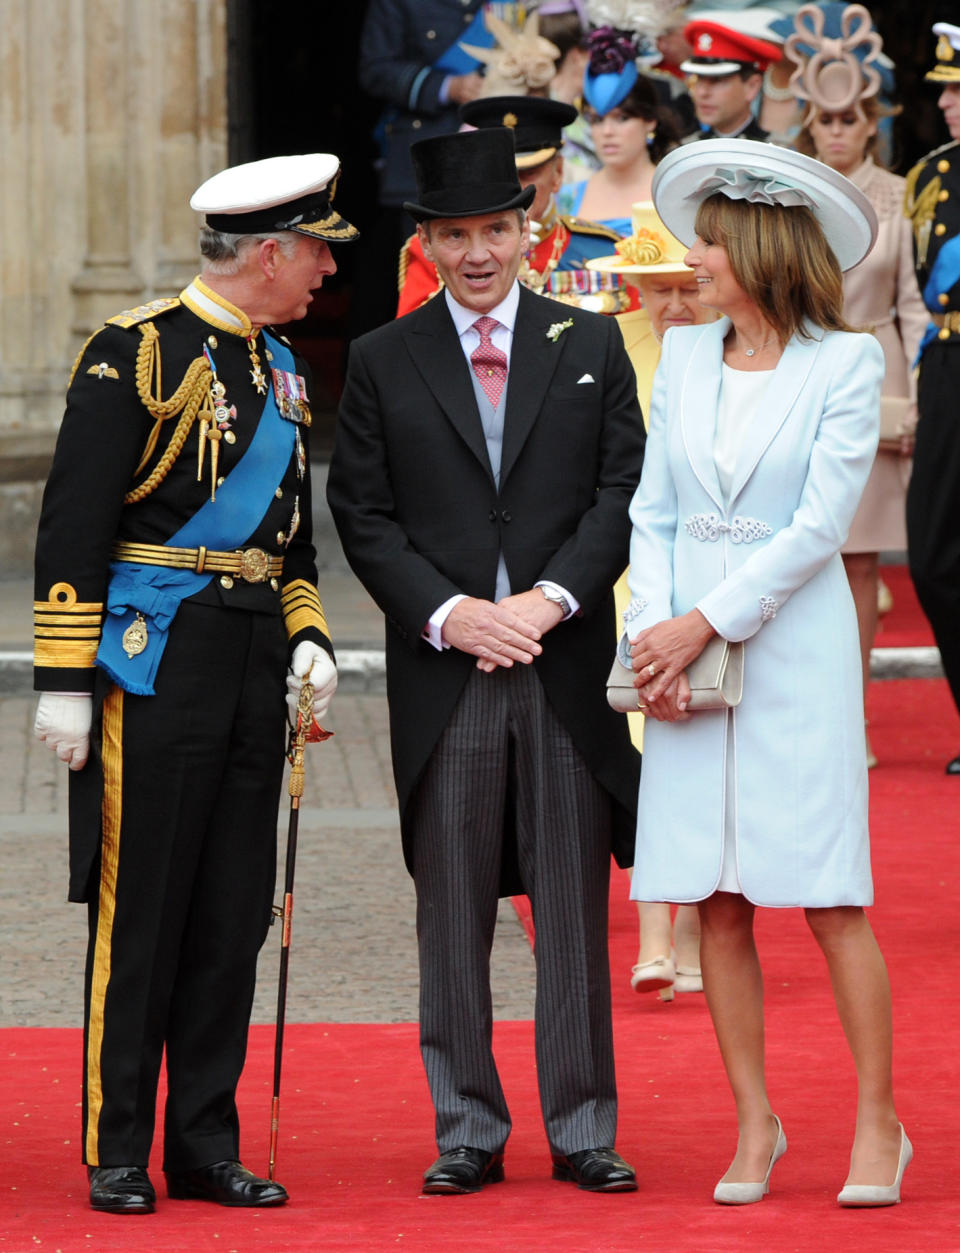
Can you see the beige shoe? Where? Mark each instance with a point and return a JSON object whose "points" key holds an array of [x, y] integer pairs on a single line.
{"points": [[884, 598], [864, 1194], [748, 1193], [655, 976], [689, 979]]}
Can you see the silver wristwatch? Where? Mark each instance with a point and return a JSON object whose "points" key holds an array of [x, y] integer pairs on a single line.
{"points": [[558, 598]]}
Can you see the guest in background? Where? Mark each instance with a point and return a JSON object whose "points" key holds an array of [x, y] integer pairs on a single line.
{"points": [[651, 260], [631, 131], [762, 432], [410, 60], [933, 501], [840, 86], [727, 68]]}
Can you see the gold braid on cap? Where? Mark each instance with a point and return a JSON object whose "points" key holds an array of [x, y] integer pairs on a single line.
{"points": [[834, 78], [192, 393]]}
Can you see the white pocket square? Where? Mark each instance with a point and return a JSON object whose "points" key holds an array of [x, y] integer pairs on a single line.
{"points": [[586, 378]]}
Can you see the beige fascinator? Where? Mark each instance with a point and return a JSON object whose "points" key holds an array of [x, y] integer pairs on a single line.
{"points": [[841, 72], [519, 62]]}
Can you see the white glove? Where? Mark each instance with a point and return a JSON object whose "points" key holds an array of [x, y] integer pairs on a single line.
{"points": [[323, 676], [63, 724]]}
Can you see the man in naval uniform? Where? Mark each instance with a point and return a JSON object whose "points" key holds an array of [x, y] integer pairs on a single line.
{"points": [[175, 586], [560, 245], [487, 448], [933, 498], [726, 69]]}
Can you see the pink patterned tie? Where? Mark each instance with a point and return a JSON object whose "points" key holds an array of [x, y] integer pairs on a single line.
{"points": [[489, 362]]}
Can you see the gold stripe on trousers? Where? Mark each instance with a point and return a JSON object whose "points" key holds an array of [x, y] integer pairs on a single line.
{"points": [[109, 860]]}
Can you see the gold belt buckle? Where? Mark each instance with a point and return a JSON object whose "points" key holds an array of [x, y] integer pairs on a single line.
{"points": [[254, 564]]}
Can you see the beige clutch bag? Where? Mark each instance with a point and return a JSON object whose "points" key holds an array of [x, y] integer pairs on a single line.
{"points": [[893, 409], [715, 678]]}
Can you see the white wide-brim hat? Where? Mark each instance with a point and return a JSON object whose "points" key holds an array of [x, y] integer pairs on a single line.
{"points": [[745, 169]]}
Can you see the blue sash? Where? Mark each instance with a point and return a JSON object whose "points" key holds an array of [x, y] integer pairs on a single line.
{"points": [[227, 523], [943, 275]]}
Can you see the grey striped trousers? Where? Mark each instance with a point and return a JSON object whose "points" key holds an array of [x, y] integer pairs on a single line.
{"points": [[505, 761]]}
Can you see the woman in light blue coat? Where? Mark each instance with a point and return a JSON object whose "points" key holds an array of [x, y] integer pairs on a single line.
{"points": [[763, 429]]}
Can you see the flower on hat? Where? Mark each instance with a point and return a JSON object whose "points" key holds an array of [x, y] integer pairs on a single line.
{"points": [[610, 50], [756, 186], [642, 248]]}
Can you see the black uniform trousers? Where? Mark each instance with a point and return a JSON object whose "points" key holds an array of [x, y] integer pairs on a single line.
{"points": [[505, 762], [933, 503], [183, 887]]}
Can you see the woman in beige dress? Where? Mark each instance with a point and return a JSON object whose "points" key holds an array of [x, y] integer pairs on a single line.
{"points": [[880, 294]]}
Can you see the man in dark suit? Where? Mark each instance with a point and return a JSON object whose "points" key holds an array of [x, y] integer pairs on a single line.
{"points": [[487, 449]]}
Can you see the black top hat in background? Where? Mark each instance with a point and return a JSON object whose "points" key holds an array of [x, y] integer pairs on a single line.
{"points": [[467, 174], [537, 123]]}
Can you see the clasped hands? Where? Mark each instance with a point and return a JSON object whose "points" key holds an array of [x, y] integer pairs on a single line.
{"points": [[661, 655], [502, 632]]}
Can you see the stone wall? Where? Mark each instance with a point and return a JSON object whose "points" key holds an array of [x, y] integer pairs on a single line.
{"points": [[111, 113]]}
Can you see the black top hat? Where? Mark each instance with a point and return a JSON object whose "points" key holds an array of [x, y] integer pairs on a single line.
{"points": [[537, 123], [467, 174]]}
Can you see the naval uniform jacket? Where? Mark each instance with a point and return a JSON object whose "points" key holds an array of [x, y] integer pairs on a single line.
{"points": [[421, 519], [103, 436]]}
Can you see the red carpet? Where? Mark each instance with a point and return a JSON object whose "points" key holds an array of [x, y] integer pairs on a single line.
{"points": [[905, 625], [356, 1124]]}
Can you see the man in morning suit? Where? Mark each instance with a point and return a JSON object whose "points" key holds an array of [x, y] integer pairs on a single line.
{"points": [[175, 585], [933, 499], [487, 449]]}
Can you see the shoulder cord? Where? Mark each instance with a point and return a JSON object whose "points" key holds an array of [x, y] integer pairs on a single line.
{"points": [[186, 400]]}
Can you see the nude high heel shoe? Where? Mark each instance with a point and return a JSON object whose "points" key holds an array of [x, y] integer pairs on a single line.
{"points": [[864, 1194], [747, 1193]]}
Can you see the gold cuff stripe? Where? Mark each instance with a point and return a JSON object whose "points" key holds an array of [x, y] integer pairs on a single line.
{"points": [[78, 654], [64, 621], [109, 862], [302, 608]]}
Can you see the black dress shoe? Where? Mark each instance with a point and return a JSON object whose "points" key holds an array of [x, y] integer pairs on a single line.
{"points": [[121, 1189], [227, 1183], [595, 1170], [463, 1170], [953, 767]]}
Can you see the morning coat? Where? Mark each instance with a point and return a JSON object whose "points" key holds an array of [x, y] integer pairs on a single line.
{"points": [[421, 519], [764, 568]]}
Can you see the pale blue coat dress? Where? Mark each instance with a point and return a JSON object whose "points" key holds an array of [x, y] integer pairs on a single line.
{"points": [[784, 774]]}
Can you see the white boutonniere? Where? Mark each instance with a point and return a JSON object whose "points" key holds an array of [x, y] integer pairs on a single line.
{"points": [[557, 329]]}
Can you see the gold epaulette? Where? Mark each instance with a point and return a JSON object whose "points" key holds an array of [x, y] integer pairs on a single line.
{"points": [[143, 313], [582, 226], [403, 263]]}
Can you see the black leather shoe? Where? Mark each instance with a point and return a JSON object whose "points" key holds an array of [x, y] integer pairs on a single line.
{"points": [[121, 1189], [227, 1183], [953, 767], [595, 1170], [463, 1170]]}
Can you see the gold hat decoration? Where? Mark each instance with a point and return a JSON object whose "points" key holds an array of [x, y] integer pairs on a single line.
{"points": [[648, 249]]}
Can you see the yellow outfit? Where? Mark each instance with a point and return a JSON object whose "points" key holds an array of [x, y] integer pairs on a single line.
{"points": [[643, 349]]}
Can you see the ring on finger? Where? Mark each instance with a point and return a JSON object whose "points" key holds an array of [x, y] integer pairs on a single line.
{"points": [[652, 669]]}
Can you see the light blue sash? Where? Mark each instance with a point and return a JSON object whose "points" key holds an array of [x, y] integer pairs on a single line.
{"points": [[943, 274], [227, 523]]}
